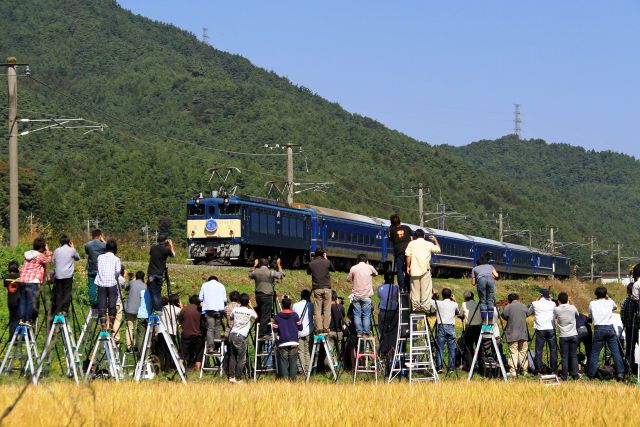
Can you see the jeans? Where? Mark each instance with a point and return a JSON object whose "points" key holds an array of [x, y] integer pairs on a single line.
{"points": [[605, 334], [93, 292], [569, 354], [238, 355], [486, 287], [214, 326], [154, 284], [401, 272], [446, 333], [585, 336], [542, 337], [287, 362], [28, 295], [388, 327], [61, 298], [362, 315], [107, 299]]}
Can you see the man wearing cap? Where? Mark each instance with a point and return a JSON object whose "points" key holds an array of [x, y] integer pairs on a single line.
{"points": [[545, 328], [158, 255]]}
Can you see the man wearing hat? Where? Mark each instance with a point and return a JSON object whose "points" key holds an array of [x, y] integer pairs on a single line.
{"points": [[158, 255], [545, 328]]}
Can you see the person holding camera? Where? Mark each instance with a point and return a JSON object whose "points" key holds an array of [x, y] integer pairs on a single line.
{"points": [[132, 305], [517, 334], [337, 325], [64, 259], [320, 269], [545, 328], [483, 277], [361, 275], [601, 315], [213, 296], [287, 324], [418, 255], [400, 236], [32, 275], [566, 315], [388, 314], [241, 317], [304, 308], [158, 255], [265, 292], [94, 249], [446, 311], [109, 268]]}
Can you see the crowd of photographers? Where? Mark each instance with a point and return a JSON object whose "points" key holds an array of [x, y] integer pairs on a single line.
{"points": [[212, 322]]}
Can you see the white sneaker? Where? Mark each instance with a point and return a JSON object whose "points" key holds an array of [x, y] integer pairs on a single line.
{"points": [[232, 380], [511, 374]]}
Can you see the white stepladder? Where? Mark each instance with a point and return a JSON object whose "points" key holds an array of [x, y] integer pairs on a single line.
{"points": [[487, 333], [263, 354], [108, 357], [402, 333], [551, 379], [366, 358], [144, 363], [315, 355], [21, 348], [420, 353], [213, 361], [74, 366], [87, 331]]}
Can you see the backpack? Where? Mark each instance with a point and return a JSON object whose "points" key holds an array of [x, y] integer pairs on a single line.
{"points": [[606, 372]]}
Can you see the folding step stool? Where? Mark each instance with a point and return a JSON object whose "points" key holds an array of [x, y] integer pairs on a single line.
{"points": [[366, 358], [263, 353], [315, 355], [420, 353], [400, 355], [22, 348], [74, 366]]}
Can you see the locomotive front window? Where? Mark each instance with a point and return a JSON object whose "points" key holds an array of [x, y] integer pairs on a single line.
{"points": [[195, 210], [230, 209], [212, 210]]}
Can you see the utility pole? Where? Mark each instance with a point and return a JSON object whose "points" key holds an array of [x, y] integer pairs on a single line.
{"points": [[12, 85], [551, 237], [442, 210], [290, 173], [31, 223], [420, 205], [591, 259], [88, 229], [618, 244], [517, 121], [500, 228], [205, 35]]}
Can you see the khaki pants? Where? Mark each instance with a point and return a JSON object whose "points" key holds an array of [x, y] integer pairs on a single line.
{"points": [[322, 308], [117, 323], [130, 333], [304, 352], [518, 356], [421, 292]]}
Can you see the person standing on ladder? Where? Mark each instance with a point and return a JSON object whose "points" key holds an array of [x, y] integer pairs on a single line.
{"points": [[63, 259], [94, 249], [418, 259], [388, 315], [158, 255], [320, 269], [213, 296], [109, 268], [265, 291], [483, 278], [32, 275], [400, 236], [361, 276]]}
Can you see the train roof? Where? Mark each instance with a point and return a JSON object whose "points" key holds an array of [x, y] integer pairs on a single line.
{"points": [[447, 233], [340, 214], [518, 247], [487, 241]]}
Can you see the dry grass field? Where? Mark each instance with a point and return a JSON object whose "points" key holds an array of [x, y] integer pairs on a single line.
{"points": [[269, 403]]}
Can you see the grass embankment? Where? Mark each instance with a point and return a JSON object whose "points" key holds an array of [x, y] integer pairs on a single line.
{"points": [[451, 403]]}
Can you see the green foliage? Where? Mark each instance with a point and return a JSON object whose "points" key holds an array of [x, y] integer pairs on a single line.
{"points": [[171, 101]]}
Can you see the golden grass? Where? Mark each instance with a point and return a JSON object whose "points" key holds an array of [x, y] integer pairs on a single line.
{"points": [[267, 403]]}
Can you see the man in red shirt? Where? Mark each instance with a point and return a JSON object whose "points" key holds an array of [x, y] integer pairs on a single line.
{"points": [[31, 275]]}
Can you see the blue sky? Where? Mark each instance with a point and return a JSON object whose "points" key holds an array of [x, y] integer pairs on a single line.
{"points": [[445, 72]]}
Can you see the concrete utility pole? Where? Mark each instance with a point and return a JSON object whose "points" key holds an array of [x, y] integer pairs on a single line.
{"points": [[420, 205], [290, 173], [551, 237], [591, 277], [12, 84], [618, 244], [500, 228]]}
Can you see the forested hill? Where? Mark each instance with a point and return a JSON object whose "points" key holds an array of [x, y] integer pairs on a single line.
{"points": [[176, 107]]}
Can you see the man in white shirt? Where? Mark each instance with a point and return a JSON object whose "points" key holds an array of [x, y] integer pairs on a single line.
{"points": [[418, 255], [213, 296], [601, 315], [304, 309], [446, 311], [545, 328]]}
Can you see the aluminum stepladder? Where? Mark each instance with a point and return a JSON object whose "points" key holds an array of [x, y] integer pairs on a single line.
{"points": [[551, 379], [74, 365], [264, 353], [487, 333], [215, 360], [87, 330], [108, 357], [366, 358], [144, 362], [400, 355], [129, 368], [24, 349], [315, 355], [420, 353]]}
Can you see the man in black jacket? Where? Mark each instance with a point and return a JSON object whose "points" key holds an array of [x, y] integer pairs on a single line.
{"points": [[319, 269]]}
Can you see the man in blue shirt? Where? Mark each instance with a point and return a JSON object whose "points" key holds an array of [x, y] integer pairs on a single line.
{"points": [[213, 297], [94, 249], [388, 314]]}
